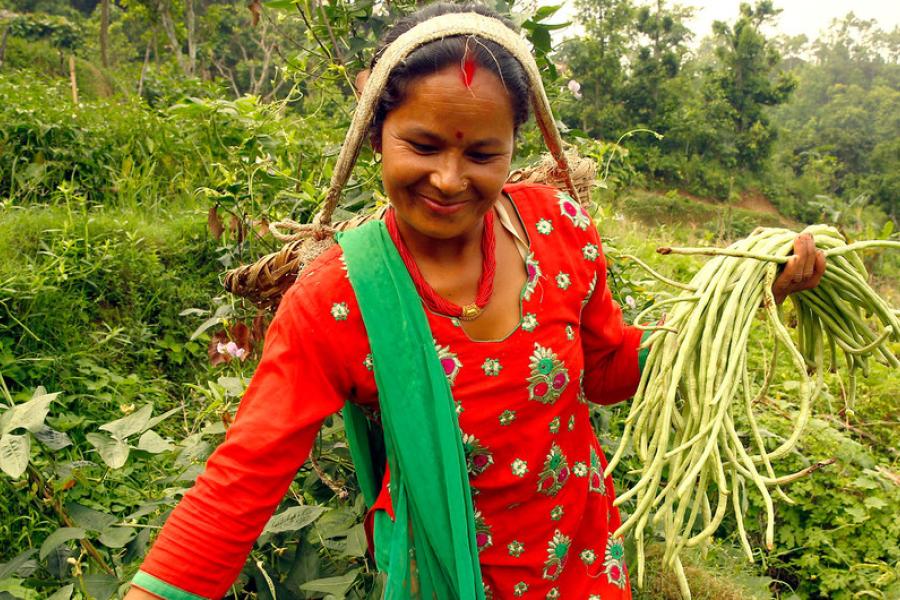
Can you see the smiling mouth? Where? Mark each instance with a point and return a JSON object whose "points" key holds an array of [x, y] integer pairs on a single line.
{"points": [[442, 207]]}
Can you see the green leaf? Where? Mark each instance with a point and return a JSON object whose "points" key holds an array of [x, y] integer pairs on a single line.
{"points": [[280, 4], [101, 586], [336, 586], [294, 518], [55, 440], [12, 567], [152, 442], [136, 422], [858, 513], [88, 518], [14, 454], [874, 502], [159, 419], [545, 12], [60, 536], [63, 593], [356, 541], [116, 537], [113, 452], [29, 415]]}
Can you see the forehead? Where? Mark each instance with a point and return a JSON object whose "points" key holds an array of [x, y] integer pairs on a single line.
{"points": [[443, 101]]}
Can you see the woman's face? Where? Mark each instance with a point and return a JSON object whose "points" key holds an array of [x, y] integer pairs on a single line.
{"points": [[446, 151]]}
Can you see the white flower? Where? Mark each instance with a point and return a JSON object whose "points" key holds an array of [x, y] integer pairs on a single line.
{"points": [[630, 301], [580, 469], [231, 349], [575, 88]]}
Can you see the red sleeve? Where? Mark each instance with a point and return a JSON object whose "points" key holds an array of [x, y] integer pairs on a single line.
{"points": [[611, 369], [205, 542]]}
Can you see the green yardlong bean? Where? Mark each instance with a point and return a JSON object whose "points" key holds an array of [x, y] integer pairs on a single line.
{"points": [[696, 384]]}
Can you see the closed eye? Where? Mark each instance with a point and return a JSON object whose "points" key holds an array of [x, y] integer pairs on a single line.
{"points": [[481, 156], [423, 148]]}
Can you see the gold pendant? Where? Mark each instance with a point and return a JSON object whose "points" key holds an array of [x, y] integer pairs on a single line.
{"points": [[470, 312]]}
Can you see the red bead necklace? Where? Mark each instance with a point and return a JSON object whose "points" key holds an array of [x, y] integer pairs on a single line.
{"points": [[430, 297]]}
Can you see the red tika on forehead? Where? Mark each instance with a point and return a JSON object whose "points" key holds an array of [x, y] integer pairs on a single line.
{"points": [[468, 71]]}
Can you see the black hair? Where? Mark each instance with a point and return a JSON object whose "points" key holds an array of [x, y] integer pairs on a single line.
{"points": [[436, 55]]}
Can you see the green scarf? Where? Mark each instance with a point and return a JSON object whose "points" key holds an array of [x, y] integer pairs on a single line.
{"points": [[430, 547]]}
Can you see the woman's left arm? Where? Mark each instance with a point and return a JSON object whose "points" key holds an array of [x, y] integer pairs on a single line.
{"points": [[612, 368]]}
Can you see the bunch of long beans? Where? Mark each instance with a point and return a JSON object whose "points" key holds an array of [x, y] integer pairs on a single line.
{"points": [[695, 462]]}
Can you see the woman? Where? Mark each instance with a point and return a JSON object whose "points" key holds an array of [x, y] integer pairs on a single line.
{"points": [[513, 283]]}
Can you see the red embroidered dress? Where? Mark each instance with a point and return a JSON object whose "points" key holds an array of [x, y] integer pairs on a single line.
{"points": [[544, 513]]}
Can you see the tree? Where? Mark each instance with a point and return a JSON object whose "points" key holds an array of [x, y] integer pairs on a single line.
{"points": [[657, 59], [597, 61], [749, 79]]}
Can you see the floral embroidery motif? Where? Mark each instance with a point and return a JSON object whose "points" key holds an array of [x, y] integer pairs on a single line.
{"points": [[549, 377], [544, 226], [580, 469], [595, 482], [590, 252], [519, 589], [555, 473], [553, 594], [590, 291], [488, 592], [563, 281], [455, 322], [571, 209], [554, 425], [340, 311], [571, 422], [529, 322], [595, 597], [369, 362], [449, 362], [507, 417], [491, 367], [557, 554], [482, 532], [478, 458], [533, 270], [519, 467], [614, 562], [570, 333], [515, 548], [556, 512], [587, 556]]}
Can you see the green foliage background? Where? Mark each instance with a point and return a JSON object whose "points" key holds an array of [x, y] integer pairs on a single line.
{"points": [[119, 214]]}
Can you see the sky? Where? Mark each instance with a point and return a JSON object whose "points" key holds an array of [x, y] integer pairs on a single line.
{"points": [[798, 16]]}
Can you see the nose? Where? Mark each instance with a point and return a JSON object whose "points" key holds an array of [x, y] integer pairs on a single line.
{"points": [[449, 176]]}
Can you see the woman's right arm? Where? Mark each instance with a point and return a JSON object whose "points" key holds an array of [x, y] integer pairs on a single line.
{"points": [[205, 542]]}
